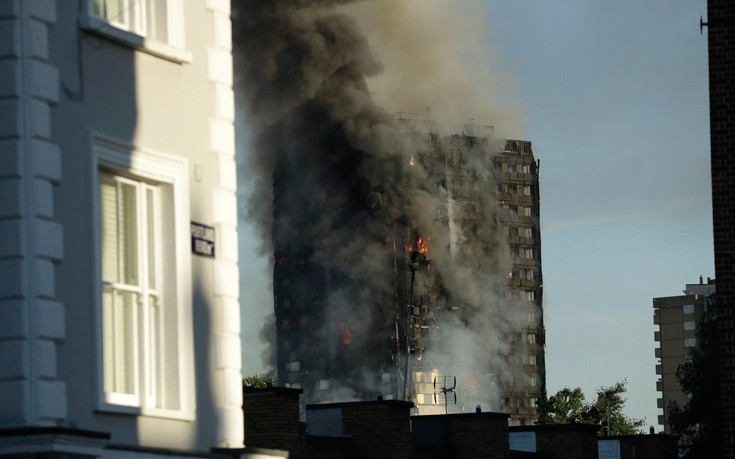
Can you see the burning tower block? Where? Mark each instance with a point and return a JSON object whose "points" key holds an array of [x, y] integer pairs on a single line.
{"points": [[443, 273]]}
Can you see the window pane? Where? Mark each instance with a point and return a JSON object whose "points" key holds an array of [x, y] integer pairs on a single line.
{"points": [[127, 233], [158, 19], [119, 230], [156, 355], [151, 235], [98, 8], [108, 200], [113, 10], [118, 344]]}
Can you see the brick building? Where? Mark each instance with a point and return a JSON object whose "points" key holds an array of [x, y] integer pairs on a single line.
{"points": [[385, 429], [721, 36]]}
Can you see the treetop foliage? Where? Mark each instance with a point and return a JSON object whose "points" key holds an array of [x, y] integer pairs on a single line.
{"points": [[569, 406]]}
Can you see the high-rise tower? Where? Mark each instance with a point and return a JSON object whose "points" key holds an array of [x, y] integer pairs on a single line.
{"points": [[677, 318], [453, 284]]}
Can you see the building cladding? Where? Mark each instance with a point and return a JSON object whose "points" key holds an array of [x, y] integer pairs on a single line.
{"points": [[677, 318], [486, 211]]}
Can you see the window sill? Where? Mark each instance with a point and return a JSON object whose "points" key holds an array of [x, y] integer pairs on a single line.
{"points": [[179, 415], [97, 26]]}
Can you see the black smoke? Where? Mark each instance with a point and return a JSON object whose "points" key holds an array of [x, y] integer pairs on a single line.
{"points": [[340, 189]]}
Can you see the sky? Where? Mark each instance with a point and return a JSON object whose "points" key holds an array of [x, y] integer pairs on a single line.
{"points": [[615, 99]]}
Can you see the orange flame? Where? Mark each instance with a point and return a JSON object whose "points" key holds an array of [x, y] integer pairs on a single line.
{"points": [[423, 245], [346, 334]]}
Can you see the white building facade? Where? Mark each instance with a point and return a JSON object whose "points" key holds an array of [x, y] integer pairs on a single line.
{"points": [[119, 315]]}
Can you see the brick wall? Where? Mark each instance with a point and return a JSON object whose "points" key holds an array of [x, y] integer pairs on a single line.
{"points": [[476, 435], [720, 18], [320, 447], [379, 429], [648, 446], [568, 441], [271, 419]]}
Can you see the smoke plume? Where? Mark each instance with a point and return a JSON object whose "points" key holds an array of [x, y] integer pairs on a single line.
{"points": [[320, 81]]}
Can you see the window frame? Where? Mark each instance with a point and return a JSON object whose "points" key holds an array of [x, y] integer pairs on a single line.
{"points": [[146, 166], [134, 32]]}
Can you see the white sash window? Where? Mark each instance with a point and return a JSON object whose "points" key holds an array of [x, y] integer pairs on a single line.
{"points": [[145, 308], [133, 335], [160, 20]]}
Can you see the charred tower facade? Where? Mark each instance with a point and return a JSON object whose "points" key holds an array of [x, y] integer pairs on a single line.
{"points": [[455, 289]]}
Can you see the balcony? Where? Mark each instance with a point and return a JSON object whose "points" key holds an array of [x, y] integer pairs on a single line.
{"points": [[660, 386], [659, 403], [657, 352], [657, 336], [657, 319], [659, 370]]}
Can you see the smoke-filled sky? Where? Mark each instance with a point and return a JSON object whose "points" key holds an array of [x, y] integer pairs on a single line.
{"points": [[613, 96]]}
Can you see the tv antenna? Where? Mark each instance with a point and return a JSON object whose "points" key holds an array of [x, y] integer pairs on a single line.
{"points": [[445, 392]]}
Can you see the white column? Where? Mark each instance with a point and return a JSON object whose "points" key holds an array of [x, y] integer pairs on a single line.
{"points": [[226, 329]]}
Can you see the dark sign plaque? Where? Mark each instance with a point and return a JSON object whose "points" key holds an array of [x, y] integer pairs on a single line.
{"points": [[202, 240]]}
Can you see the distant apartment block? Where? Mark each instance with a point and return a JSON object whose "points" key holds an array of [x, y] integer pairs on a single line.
{"points": [[677, 318]]}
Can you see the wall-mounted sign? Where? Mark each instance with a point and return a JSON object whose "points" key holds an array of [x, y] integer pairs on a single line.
{"points": [[202, 240]]}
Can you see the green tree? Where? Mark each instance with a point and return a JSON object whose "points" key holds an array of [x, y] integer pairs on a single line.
{"points": [[569, 405], [698, 421], [612, 400], [564, 407], [257, 381]]}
